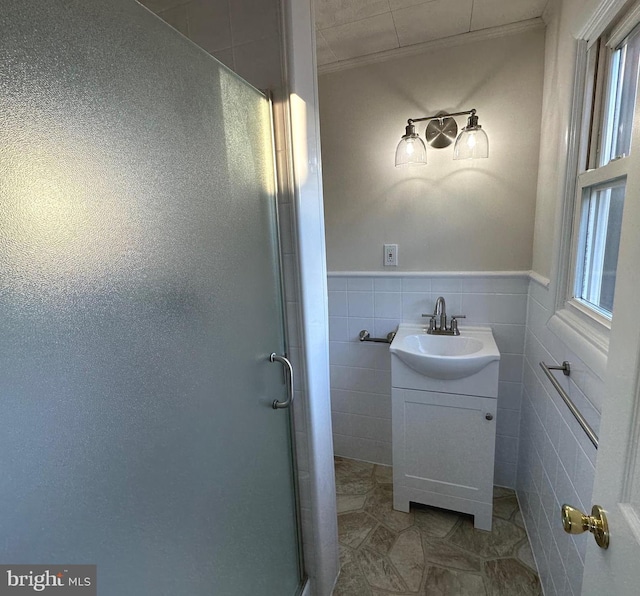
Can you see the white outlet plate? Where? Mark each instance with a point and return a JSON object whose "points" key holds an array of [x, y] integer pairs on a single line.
{"points": [[390, 255]]}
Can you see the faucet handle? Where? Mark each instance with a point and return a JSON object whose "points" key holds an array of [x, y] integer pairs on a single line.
{"points": [[454, 323], [432, 322]]}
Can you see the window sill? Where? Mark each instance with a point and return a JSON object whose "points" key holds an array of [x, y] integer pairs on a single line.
{"points": [[588, 340]]}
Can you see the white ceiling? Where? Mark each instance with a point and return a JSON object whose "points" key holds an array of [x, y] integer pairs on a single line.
{"points": [[347, 29]]}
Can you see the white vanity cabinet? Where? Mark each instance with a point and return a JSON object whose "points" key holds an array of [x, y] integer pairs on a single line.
{"points": [[444, 440]]}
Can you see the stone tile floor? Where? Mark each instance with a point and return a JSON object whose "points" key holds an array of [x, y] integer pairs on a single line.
{"points": [[428, 550]]}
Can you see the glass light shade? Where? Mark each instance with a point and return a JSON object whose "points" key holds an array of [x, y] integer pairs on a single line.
{"points": [[472, 143], [411, 150]]}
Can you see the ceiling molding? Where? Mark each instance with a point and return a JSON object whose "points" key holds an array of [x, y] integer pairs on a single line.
{"points": [[550, 10], [597, 22], [437, 44]]}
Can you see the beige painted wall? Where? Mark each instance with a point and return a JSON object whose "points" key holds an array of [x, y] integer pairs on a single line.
{"points": [[564, 20], [448, 215], [560, 53]]}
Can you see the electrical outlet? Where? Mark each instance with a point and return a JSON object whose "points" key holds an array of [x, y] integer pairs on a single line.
{"points": [[390, 255]]}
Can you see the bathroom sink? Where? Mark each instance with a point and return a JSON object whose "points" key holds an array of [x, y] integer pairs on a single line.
{"points": [[445, 356]]}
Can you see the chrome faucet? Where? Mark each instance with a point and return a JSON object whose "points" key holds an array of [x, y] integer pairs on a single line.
{"points": [[440, 311], [442, 307]]}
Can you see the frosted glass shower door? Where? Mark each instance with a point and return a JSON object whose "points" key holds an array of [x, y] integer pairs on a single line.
{"points": [[139, 303]]}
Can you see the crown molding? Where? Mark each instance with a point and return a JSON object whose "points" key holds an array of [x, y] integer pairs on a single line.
{"points": [[599, 19], [437, 44], [550, 10]]}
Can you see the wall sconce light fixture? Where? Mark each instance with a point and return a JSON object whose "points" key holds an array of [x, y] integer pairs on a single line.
{"points": [[471, 143]]}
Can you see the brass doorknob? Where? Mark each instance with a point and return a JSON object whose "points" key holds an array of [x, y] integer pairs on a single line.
{"points": [[576, 522]]}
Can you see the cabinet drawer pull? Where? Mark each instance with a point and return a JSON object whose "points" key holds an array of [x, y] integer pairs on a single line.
{"points": [[489, 416]]}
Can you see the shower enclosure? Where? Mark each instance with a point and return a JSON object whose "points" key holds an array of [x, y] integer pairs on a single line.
{"points": [[140, 303]]}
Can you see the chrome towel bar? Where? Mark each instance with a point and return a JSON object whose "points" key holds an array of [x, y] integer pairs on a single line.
{"points": [[566, 369], [366, 336]]}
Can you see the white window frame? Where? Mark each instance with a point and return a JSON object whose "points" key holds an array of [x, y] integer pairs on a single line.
{"points": [[582, 328]]}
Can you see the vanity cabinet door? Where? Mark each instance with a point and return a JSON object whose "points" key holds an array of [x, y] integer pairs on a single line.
{"points": [[443, 451]]}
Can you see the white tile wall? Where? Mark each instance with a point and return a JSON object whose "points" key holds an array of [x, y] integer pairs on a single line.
{"points": [[244, 34], [360, 372], [555, 459]]}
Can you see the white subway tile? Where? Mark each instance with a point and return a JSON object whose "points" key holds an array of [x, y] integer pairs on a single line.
{"points": [[338, 328], [387, 284], [337, 284], [509, 338], [421, 285], [299, 412], [360, 304], [257, 61], [362, 427], [340, 377], [509, 395], [541, 295], [284, 216], [360, 284], [550, 461], [290, 278], [414, 305], [387, 305], [293, 329], [556, 568], [507, 449], [583, 480], [553, 419], [338, 304], [509, 308], [382, 359], [508, 423], [446, 285], [575, 568], [547, 495], [362, 449], [294, 356], [479, 285], [340, 424], [339, 352], [511, 368], [357, 402], [209, 24], [584, 405], [252, 20], [382, 327], [353, 379], [477, 307], [564, 489], [504, 474], [382, 381], [357, 324], [567, 450], [362, 355], [560, 537]]}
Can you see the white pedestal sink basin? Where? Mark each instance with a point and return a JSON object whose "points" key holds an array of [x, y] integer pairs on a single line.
{"points": [[445, 356]]}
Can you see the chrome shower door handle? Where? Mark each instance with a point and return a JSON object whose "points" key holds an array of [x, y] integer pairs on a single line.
{"points": [[277, 405]]}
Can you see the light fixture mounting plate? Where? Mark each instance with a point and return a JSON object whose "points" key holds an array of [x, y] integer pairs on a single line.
{"points": [[441, 131]]}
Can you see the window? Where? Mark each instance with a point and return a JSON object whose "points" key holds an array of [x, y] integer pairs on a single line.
{"points": [[613, 64], [600, 224]]}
